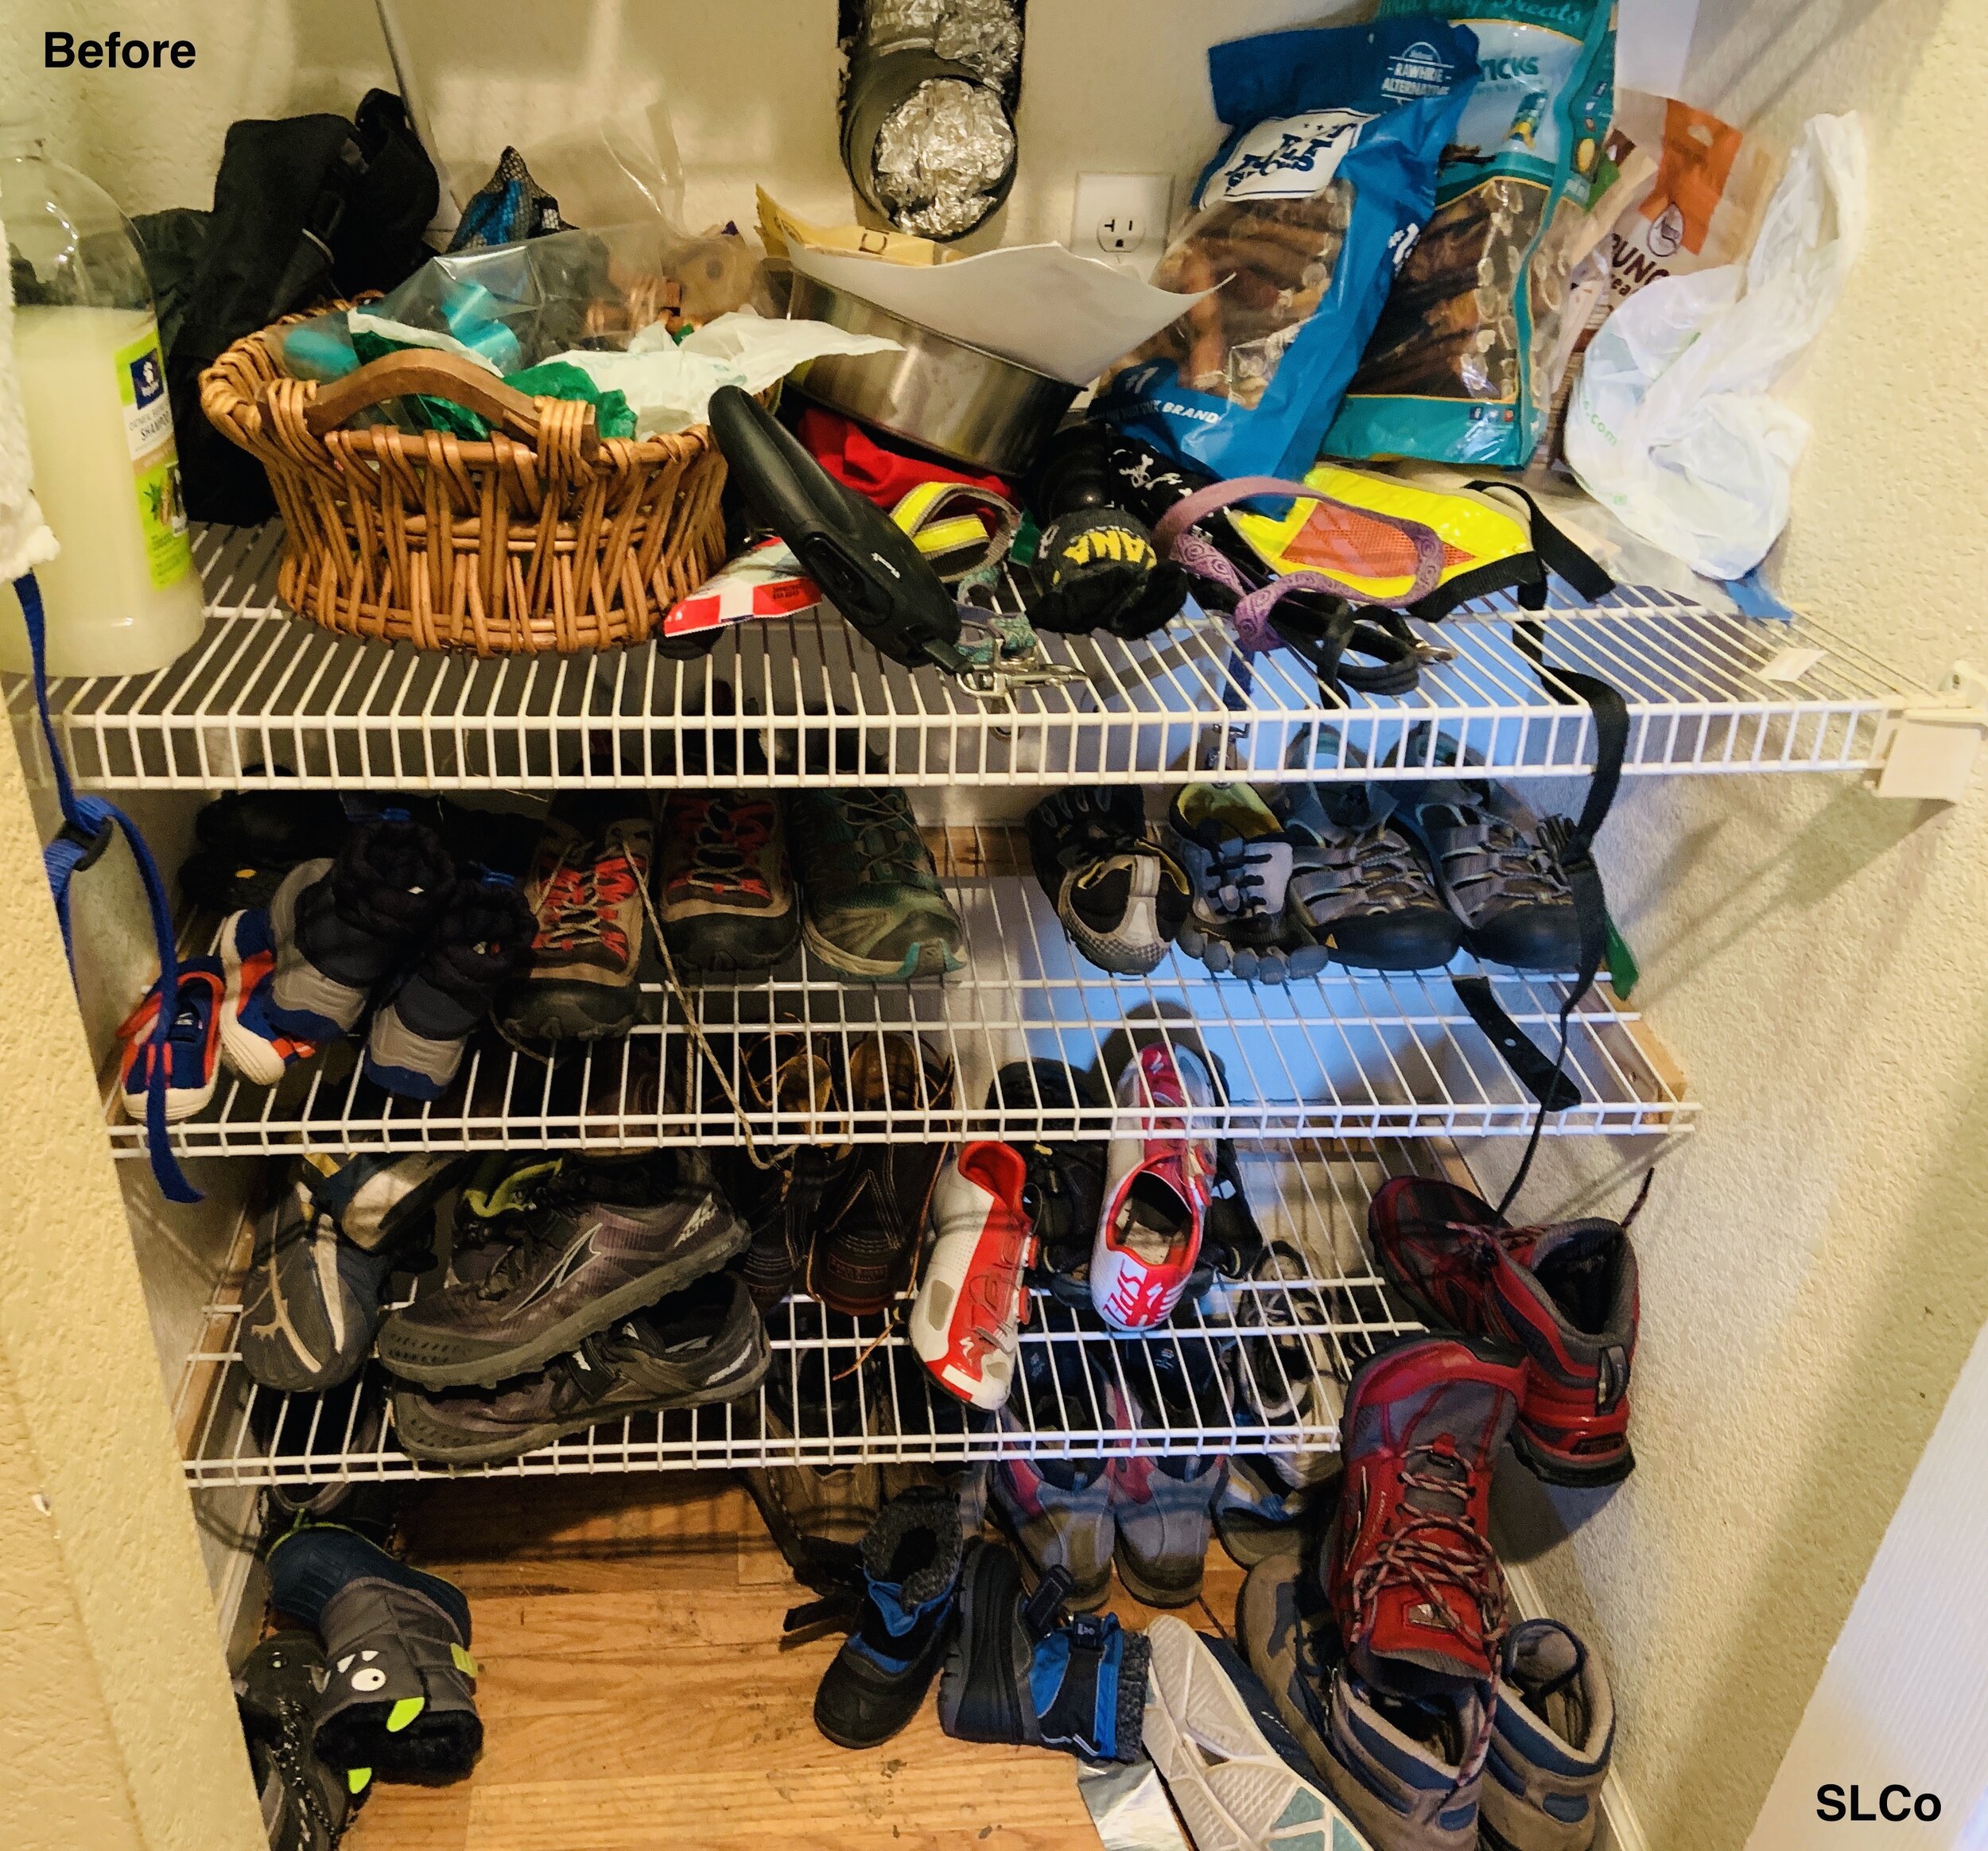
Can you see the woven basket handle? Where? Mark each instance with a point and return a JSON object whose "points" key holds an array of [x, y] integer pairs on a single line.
{"points": [[423, 370]]}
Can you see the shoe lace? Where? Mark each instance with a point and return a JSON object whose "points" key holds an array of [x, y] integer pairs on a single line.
{"points": [[726, 836], [1433, 1549], [289, 1753], [577, 905], [1235, 876], [889, 852]]}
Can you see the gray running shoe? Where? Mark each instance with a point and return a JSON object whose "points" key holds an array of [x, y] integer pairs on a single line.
{"points": [[1360, 884], [311, 1304], [1550, 1741], [604, 1239], [872, 904], [1495, 869], [1238, 860], [702, 1344], [1408, 1773], [1165, 1507]]}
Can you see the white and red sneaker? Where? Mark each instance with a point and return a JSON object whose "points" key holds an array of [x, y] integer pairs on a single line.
{"points": [[964, 1324], [1156, 1183]]}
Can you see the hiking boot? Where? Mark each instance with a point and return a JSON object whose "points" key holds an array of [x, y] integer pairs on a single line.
{"points": [[605, 1240], [872, 904], [871, 1221], [1065, 1186], [1360, 884], [414, 1048], [1551, 1741], [910, 1562], [335, 931], [193, 1050], [786, 1077], [1566, 1295], [1401, 1769], [1156, 1190], [704, 1343], [1059, 1509], [399, 1700], [1240, 1780], [585, 894], [1121, 897], [1164, 1506], [1020, 1671], [1495, 868], [1418, 1595], [724, 897], [306, 1805], [1237, 859]]}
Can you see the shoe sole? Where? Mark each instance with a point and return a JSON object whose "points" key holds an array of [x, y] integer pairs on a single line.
{"points": [[1119, 962], [572, 1012], [1270, 964], [486, 1371], [719, 966], [550, 1433], [978, 1701], [1149, 1592], [1234, 1791], [922, 960], [181, 1103], [248, 1054]]}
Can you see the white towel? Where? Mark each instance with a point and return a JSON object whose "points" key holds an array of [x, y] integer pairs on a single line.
{"points": [[26, 542]]}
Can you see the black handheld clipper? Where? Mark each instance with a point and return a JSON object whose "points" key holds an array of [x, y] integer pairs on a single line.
{"points": [[867, 565]]}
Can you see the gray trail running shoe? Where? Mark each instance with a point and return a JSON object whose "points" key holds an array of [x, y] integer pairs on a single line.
{"points": [[399, 1701], [1165, 1506], [604, 1239], [724, 895], [1238, 860], [704, 1343], [1119, 894], [1495, 868], [310, 1306], [306, 1804], [584, 891], [1550, 1741], [1360, 882], [872, 904]]}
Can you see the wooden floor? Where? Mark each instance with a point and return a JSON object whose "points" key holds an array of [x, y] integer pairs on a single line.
{"points": [[636, 1694]]}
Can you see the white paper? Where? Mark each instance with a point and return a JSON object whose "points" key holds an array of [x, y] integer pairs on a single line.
{"points": [[1653, 45], [1037, 304]]}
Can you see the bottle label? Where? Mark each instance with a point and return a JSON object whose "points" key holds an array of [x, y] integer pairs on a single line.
{"points": [[155, 460]]}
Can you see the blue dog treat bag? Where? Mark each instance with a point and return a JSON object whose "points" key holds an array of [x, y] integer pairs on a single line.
{"points": [[1298, 227]]}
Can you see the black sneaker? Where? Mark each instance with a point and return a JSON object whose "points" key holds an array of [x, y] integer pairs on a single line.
{"points": [[1066, 1189], [414, 1048], [724, 894], [585, 894], [704, 1343], [1020, 1671], [306, 1806], [910, 1559], [606, 1238], [1495, 868], [1120, 895]]}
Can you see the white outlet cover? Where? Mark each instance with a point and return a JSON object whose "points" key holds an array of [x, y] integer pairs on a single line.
{"points": [[1120, 218]]}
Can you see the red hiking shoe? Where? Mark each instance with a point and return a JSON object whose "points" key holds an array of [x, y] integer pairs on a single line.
{"points": [[1565, 1295], [1418, 1596]]}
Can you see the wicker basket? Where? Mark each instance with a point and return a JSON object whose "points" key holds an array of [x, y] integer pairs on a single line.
{"points": [[544, 538]]}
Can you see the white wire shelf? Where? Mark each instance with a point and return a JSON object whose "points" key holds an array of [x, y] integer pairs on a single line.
{"points": [[1284, 1344], [266, 698], [1349, 1053]]}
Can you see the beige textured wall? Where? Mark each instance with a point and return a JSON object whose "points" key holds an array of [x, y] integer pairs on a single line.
{"points": [[1814, 1267], [118, 1724]]}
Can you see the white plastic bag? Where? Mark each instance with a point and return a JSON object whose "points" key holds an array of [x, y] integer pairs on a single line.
{"points": [[1672, 427]]}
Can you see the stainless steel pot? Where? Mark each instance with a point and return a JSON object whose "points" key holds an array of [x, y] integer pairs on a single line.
{"points": [[938, 393]]}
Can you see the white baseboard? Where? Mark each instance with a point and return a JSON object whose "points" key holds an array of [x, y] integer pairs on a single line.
{"points": [[1620, 1830]]}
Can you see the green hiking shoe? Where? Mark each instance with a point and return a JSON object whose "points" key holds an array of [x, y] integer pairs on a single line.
{"points": [[872, 904]]}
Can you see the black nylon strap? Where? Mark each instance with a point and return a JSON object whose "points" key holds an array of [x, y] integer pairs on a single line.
{"points": [[1540, 1076]]}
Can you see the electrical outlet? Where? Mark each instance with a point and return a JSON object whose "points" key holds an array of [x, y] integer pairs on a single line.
{"points": [[1121, 219]]}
